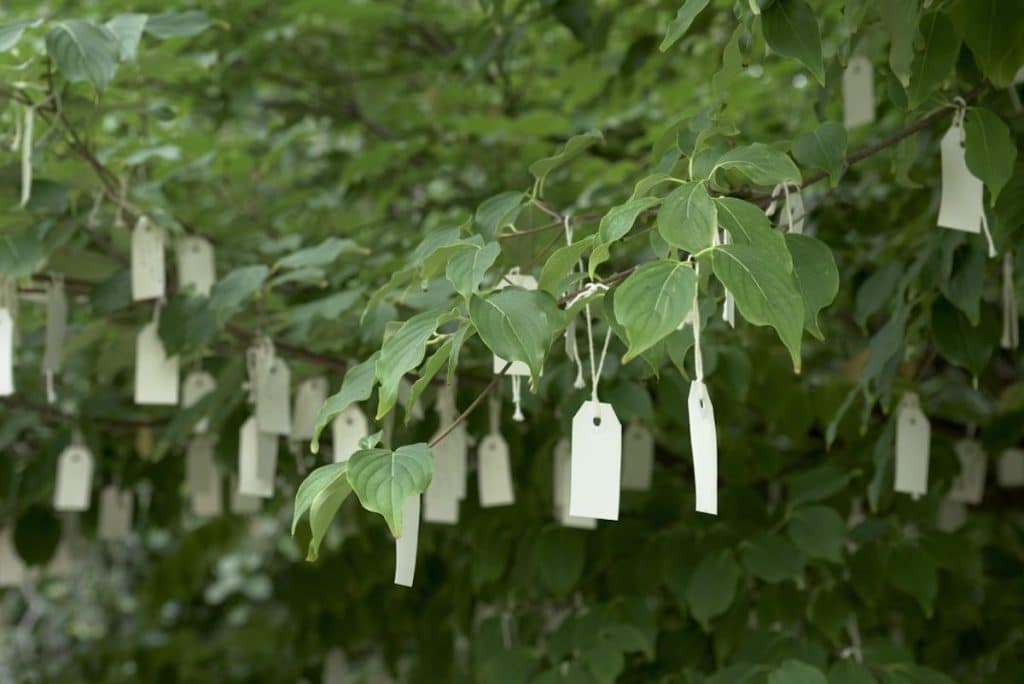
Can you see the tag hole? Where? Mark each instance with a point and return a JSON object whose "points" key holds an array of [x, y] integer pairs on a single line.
{"points": [[597, 420], [348, 421], [702, 403]]}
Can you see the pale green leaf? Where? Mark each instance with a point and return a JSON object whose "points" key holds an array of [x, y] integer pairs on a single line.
{"points": [[518, 325], [230, 292], [430, 369], [653, 302], [323, 254], [791, 29], [816, 276], [554, 276], [759, 164], [467, 268], [127, 28], [574, 147], [498, 212], [688, 218], [11, 33], [313, 484], [402, 352], [177, 24], [384, 479], [83, 51], [684, 17], [357, 386], [748, 225], [321, 513]]}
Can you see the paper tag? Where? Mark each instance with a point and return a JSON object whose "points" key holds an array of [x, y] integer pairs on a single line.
{"points": [[792, 210], [148, 279], [447, 487], [951, 515], [527, 282], [969, 486], [56, 326], [704, 445], [347, 428], [197, 385], [637, 458], [1011, 468], [913, 443], [858, 92], [961, 207], [273, 403], [12, 569], [494, 472], [203, 478], [156, 374], [74, 479], [244, 504], [335, 668], [115, 513], [405, 546], [257, 460], [562, 459], [195, 264], [596, 462], [309, 397], [6, 353], [64, 558]]}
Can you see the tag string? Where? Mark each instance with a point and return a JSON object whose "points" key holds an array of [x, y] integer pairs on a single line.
{"points": [[517, 399], [572, 349], [1011, 326], [595, 370], [698, 360]]}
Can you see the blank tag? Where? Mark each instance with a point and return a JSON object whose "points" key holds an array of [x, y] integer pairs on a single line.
{"points": [[405, 546], [56, 326], [115, 513], [969, 486], [913, 441], [243, 504], [562, 459], [951, 515], [197, 385], [704, 444], [309, 397], [637, 458], [148, 280], [441, 499], [596, 463], [12, 569], [1011, 468], [156, 374], [6, 353], [494, 472], [195, 264], [858, 92], [257, 460], [203, 478], [335, 667], [273, 400], [527, 282], [347, 428], [74, 479], [961, 207]]}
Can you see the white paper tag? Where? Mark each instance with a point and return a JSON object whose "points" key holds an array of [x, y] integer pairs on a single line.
{"points": [[12, 569], [494, 472], [257, 460], [562, 459], [704, 444], [347, 428], [195, 264], [792, 213], [913, 443], [56, 326], [197, 385], [244, 504], [637, 458], [115, 513], [969, 486], [441, 499], [961, 206], [336, 669], [405, 546], [203, 478], [156, 374], [1011, 468], [596, 465], [951, 515], [309, 397], [148, 279], [6, 353], [74, 479], [273, 403], [527, 282], [858, 92]]}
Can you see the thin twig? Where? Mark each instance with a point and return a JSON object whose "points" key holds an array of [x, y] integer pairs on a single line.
{"points": [[472, 406]]}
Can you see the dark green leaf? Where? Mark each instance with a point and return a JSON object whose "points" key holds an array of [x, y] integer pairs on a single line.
{"points": [[816, 276], [791, 30], [518, 325], [653, 302], [824, 148], [688, 218]]}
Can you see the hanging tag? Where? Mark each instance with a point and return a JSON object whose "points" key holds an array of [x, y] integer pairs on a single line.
{"points": [[156, 374], [6, 353], [1010, 338], [704, 444], [792, 214], [197, 385], [309, 397], [913, 443], [951, 515], [494, 472], [244, 504], [56, 328], [273, 402], [441, 499], [195, 264], [64, 558], [596, 462], [336, 669], [257, 460], [969, 486], [961, 206], [858, 92], [74, 479], [405, 546], [347, 428], [562, 459], [527, 282], [148, 281], [203, 478], [115, 513], [637, 458], [12, 569], [1011, 468]]}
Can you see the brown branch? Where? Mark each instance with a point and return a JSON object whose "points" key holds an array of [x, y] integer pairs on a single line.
{"points": [[55, 415], [472, 406]]}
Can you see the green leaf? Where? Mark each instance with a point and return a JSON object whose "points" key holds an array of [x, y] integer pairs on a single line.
{"points": [[747, 225], [913, 571], [796, 672], [127, 28], [402, 352], [964, 286], [712, 587], [619, 220], [816, 276], [688, 218], [497, 213], [21, 253], [83, 51], [555, 275], [791, 30], [177, 24], [765, 292], [848, 671], [467, 268], [518, 325], [816, 484], [991, 150], [574, 147], [312, 485], [900, 20], [431, 368], [940, 46], [384, 479], [819, 532], [772, 558], [321, 494], [11, 33], [760, 164], [653, 302], [357, 386], [229, 293], [679, 26], [560, 556], [993, 31], [958, 341], [824, 148], [323, 254]]}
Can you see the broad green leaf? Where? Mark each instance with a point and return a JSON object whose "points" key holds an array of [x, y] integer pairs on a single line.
{"points": [[964, 286], [402, 352], [824, 148], [321, 493], [21, 253], [574, 147], [732, 63], [653, 302], [357, 386], [816, 276], [430, 369], [900, 20], [553, 276], [384, 479], [958, 341], [993, 31], [791, 29], [772, 558], [796, 672], [940, 46], [127, 28], [560, 555], [991, 150], [684, 17], [688, 218], [323, 254], [498, 212], [432, 255], [467, 268], [83, 51], [177, 24], [910, 673], [913, 571], [619, 220], [11, 33], [747, 225], [458, 338], [850, 672], [816, 484], [518, 325], [760, 164], [229, 293], [712, 587], [313, 484], [819, 532], [765, 292]]}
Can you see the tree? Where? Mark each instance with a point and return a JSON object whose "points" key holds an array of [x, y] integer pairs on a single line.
{"points": [[739, 205]]}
